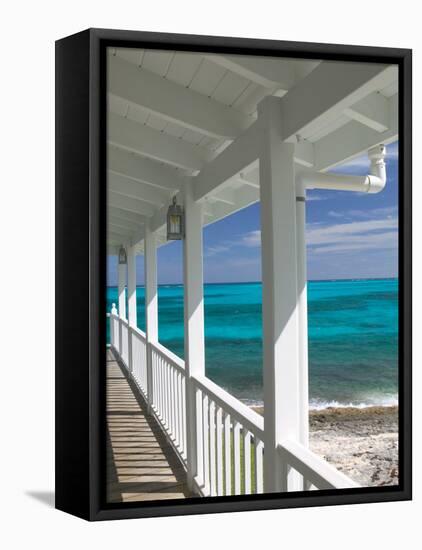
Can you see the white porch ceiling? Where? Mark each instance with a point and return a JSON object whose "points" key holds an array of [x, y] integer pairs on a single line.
{"points": [[171, 116]]}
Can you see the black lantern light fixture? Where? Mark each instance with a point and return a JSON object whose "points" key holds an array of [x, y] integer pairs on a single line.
{"points": [[122, 256], [175, 222]]}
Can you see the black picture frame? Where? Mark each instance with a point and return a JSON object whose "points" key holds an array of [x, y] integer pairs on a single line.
{"points": [[80, 272]]}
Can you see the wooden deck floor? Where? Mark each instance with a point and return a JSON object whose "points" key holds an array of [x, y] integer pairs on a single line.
{"points": [[141, 465]]}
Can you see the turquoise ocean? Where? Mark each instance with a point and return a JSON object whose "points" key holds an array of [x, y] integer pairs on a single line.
{"points": [[353, 338]]}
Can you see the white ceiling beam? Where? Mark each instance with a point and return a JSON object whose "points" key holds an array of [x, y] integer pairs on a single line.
{"points": [[304, 153], [303, 67], [139, 138], [268, 72], [243, 197], [227, 196], [373, 111], [136, 189], [131, 205], [327, 91], [173, 102], [353, 139], [123, 223], [137, 237], [248, 182], [138, 219], [144, 169], [118, 230], [116, 238], [237, 156]]}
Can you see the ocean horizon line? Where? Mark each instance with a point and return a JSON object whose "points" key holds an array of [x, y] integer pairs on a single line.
{"points": [[260, 282]]}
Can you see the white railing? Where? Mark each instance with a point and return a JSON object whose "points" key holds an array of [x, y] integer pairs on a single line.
{"points": [[316, 473], [169, 394], [230, 442], [124, 340], [115, 332], [229, 438], [138, 343]]}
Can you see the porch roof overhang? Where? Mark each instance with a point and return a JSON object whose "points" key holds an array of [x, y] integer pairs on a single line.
{"points": [[176, 117]]}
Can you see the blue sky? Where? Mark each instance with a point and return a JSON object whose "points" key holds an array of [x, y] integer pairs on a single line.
{"points": [[349, 235]]}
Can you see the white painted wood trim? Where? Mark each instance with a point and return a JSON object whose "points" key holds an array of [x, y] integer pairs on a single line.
{"points": [[174, 102], [327, 91], [151, 303], [139, 138], [302, 304], [121, 290], [315, 469], [279, 300], [131, 286], [193, 321]]}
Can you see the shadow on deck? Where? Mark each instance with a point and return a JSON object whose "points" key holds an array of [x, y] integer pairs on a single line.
{"points": [[141, 464]]}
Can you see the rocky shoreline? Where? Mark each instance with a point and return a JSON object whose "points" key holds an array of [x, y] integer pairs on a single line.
{"points": [[362, 443]]}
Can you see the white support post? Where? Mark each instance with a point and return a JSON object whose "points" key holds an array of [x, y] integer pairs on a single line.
{"points": [[122, 301], [122, 287], [112, 321], [302, 300], [131, 291], [280, 311], [151, 303], [194, 329]]}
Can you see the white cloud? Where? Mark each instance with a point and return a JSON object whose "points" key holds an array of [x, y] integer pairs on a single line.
{"points": [[389, 212], [217, 249], [378, 233], [335, 214], [380, 241], [360, 235], [252, 239], [312, 197]]}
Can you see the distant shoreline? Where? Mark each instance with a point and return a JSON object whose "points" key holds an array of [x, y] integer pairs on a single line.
{"points": [[260, 282], [342, 412]]}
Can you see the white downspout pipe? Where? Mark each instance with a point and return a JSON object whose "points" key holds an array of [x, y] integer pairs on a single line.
{"points": [[374, 182]]}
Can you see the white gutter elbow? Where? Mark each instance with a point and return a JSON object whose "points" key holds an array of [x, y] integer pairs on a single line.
{"points": [[378, 176], [372, 183]]}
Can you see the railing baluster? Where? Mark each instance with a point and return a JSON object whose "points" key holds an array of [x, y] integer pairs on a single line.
{"points": [[259, 477], [176, 408], [160, 388], [213, 484], [166, 388], [179, 409], [184, 415], [199, 437], [247, 460], [206, 446], [155, 382], [227, 454], [160, 366], [172, 402], [220, 470], [236, 457], [168, 368]]}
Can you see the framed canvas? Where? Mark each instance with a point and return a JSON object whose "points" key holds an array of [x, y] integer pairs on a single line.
{"points": [[233, 276]]}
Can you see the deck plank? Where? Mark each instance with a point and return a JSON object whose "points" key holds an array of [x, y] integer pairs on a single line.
{"points": [[141, 464]]}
